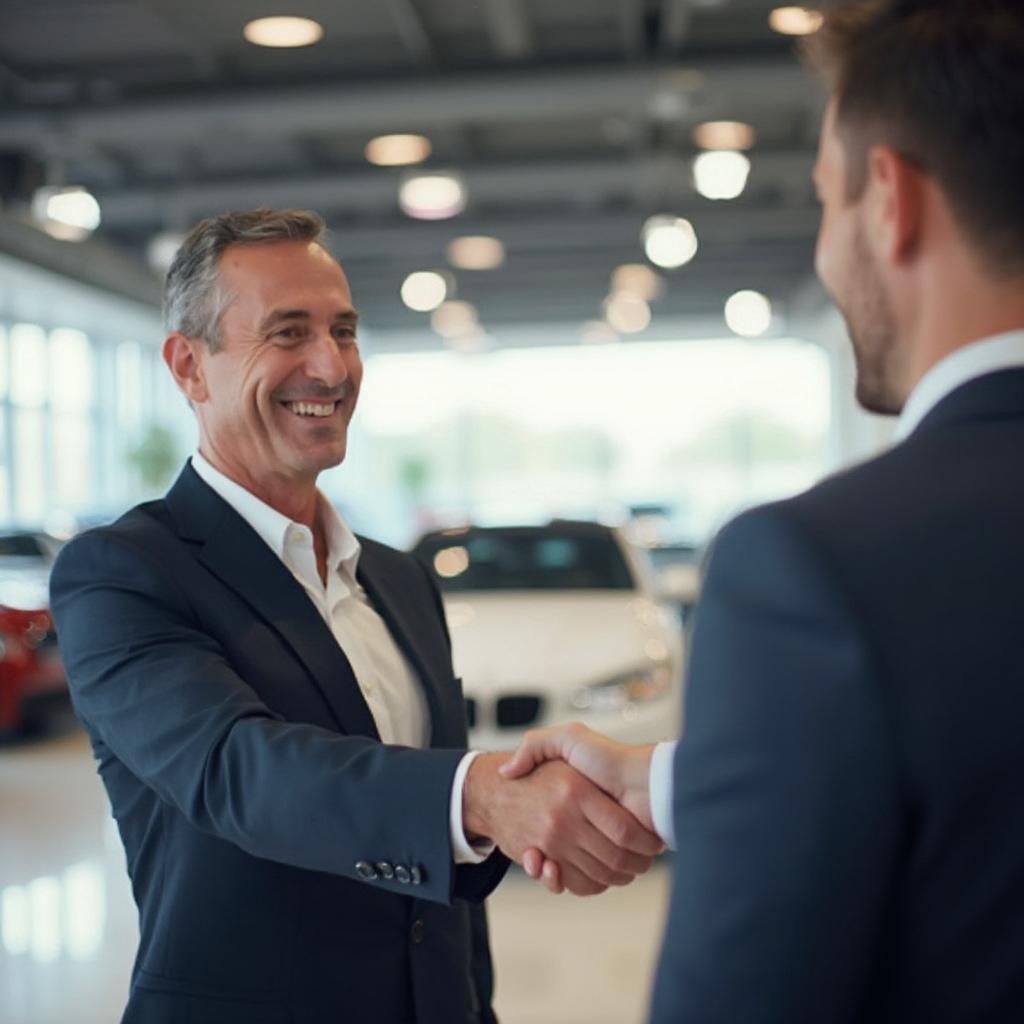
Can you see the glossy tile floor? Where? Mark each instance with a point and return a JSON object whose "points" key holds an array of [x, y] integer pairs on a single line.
{"points": [[67, 925]]}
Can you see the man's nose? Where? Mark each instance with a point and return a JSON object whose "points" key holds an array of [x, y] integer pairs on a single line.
{"points": [[324, 360]]}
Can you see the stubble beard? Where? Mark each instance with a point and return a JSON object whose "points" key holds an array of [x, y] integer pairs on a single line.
{"points": [[873, 334]]}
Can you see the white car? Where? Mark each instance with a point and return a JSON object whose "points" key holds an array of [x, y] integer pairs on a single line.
{"points": [[557, 623]]}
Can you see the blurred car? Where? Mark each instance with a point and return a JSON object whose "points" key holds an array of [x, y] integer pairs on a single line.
{"points": [[32, 679], [557, 623]]}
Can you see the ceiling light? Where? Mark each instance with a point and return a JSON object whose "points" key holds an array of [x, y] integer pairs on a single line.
{"points": [[724, 135], [161, 250], [627, 313], [795, 21], [721, 174], [476, 252], [669, 241], [597, 332], [748, 314], [424, 290], [283, 32], [70, 214], [454, 319], [397, 150], [432, 196], [637, 279]]}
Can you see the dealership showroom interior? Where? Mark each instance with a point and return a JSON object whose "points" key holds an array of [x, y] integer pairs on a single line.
{"points": [[565, 254]]}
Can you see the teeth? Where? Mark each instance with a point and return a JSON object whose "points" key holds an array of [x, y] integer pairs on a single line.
{"points": [[311, 408]]}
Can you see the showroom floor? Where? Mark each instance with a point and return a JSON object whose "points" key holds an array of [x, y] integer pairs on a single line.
{"points": [[67, 931]]}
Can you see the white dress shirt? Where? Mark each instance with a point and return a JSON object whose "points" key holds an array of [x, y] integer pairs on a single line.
{"points": [[388, 683], [1001, 352]]}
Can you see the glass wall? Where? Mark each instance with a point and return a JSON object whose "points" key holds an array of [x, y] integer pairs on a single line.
{"points": [[90, 421], [676, 436]]}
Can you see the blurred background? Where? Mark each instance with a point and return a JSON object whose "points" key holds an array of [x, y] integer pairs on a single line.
{"points": [[580, 235]]}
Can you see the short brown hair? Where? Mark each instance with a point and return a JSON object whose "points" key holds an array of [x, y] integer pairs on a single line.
{"points": [[193, 298], [942, 83]]}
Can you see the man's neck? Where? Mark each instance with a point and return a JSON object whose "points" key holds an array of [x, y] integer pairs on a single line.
{"points": [[957, 312], [295, 499]]}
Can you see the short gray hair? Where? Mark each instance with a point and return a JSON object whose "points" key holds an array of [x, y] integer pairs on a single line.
{"points": [[193, 297]]}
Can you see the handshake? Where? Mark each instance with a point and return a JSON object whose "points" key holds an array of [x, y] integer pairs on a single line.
{"points": [[570, 805]]}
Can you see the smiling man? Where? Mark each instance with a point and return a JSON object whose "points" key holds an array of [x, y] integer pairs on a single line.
{"points": [[271, 700]]}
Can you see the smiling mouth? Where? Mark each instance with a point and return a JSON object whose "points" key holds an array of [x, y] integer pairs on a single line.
{"points": [[316, 410]]}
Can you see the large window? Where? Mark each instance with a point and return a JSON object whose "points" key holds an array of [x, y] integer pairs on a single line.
{"points": [[683, 434]]}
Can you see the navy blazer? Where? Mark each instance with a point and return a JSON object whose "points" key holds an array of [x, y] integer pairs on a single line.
{"points": [[849, 785], [288, 866]]}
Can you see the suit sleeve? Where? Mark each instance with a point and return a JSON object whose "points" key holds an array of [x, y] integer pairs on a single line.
{"points": [[785, 795], [158, 692]]}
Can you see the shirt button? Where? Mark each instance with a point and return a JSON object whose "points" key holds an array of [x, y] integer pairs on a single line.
{"points": [[365, 870], [417, 931], [386, 870], [402, 874]]}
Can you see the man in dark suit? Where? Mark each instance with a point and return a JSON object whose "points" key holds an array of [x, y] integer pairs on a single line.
{"points": [[847, 788], [271, 699]]}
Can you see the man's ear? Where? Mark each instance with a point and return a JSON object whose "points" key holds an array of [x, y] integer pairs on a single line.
{"points": [[896, 200], [186, 363]]}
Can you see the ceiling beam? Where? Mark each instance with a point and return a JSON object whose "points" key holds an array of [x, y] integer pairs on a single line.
{"points": [[412, 30], [587, 183], [451, 101], [674, 21], [509, 27]]}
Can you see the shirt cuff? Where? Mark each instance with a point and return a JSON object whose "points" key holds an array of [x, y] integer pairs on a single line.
{"points": [[660, 790], [463, 851]]}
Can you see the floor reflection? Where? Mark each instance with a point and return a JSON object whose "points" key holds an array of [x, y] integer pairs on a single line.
{"points": [[68, 932]]}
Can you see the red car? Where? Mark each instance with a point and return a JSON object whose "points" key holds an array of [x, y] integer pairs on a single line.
{"points": [[32, 679]]}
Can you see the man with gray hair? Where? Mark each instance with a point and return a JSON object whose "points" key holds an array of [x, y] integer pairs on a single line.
{"points": [[271, 699]]}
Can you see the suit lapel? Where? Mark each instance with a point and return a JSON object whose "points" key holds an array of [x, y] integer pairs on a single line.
{"points": [[233, 551], [402, 613]]}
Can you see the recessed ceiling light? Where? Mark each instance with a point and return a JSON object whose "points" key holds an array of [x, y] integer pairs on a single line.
{"points": [[424, 290], [455, 319], [721, 174], [637, 279], [283, 31], [669, 241], [71, 214], [397, 150], [432, 196], [724, 135], [597, 332], [795, 21], [748, 314], [627, 313], [476, 252], [161, 250]]}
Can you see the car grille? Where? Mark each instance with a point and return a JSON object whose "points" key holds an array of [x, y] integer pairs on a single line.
{"points": [[515, 712]]}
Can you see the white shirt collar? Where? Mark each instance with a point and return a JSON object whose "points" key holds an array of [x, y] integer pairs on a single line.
{"points": [[1001, 352], [343, 548]]}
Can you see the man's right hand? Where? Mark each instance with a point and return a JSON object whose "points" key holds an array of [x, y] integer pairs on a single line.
{"points": [[622, 771], [555, 810]]}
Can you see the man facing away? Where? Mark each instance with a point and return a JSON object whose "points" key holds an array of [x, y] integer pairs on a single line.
{"points": [[271, 700], [846, 794]]}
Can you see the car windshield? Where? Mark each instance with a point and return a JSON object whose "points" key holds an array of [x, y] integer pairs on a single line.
{"points": [[20, 545], [526, 558]]}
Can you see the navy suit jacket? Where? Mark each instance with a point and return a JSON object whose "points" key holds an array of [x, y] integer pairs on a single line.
{"points": [[849, 787], [251, 788]]}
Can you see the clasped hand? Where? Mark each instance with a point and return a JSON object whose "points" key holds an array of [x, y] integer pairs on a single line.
{"points": [[570, 805]]}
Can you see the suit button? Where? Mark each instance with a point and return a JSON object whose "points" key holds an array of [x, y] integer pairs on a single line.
{"points": [[402, 874], [385, 870], [365, 870], [417, 876], [417, 931]]}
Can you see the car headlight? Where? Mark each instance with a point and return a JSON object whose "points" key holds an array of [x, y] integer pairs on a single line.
{"points": [[639, 687]]}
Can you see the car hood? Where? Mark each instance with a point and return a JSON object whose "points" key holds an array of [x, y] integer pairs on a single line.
{"points": [[537, 641]]}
